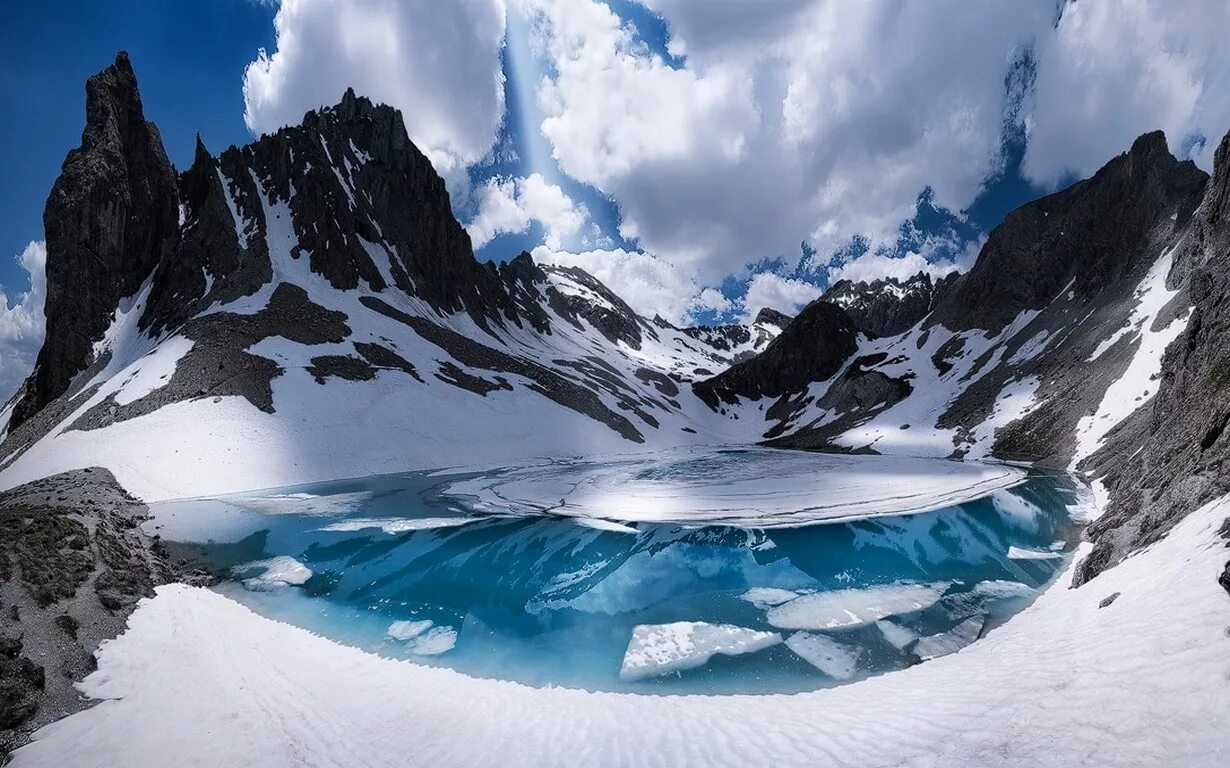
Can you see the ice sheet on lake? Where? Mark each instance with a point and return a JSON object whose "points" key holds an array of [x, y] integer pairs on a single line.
{"points": [[274, 573], [756, 488], [934, 646], [851, 607], [395, 525], [767, 597], [834, 659], [897, 636], [659, 649]]}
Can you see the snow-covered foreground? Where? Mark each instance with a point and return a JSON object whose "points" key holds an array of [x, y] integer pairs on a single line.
{"points": [[1141, 681], [754, 487]]}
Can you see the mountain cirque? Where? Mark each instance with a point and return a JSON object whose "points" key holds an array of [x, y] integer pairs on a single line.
{"points": [[307, 308]]}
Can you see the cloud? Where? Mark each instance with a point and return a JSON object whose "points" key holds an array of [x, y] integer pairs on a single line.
{"points": [[21, 323], [874, 266], [786, 121], [1112, 71], [511, 205], [785, 294], [438, 62]]}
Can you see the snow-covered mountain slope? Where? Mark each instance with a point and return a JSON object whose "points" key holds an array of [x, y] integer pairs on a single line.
{"points": [[1052, 342], [307, 307]]}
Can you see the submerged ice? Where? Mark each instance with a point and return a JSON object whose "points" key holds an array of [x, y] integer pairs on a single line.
{"points": [[403, 566]]}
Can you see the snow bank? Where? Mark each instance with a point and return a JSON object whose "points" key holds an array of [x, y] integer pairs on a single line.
{"points": [[199, 680]]}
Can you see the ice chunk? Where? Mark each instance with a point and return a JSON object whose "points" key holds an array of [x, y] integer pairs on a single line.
{"points": [[896, 635], [659, 649], [433, 642], [997, 589], [406, 630], [766, 597], [934, 646], [1020, 553], [275, 573], [825, 654], [851, 607]]}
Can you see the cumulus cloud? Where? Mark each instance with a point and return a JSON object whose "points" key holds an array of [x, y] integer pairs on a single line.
{"points": [[785, 294], [1112, 71], [438, 62], [791, 120], [511, 205], [875, 266], [21, 321]]}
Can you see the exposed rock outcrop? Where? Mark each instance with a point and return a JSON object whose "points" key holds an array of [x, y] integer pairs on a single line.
{"points": [[112, 216], [1085, 238], [813, 347], [1173, 454], [889, 306]]}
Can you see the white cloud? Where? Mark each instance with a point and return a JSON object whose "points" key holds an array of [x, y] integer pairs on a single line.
{"points": [[21, 324], [790, 120], [511, 205], [874, 266], [438, 62], [1112, 71], [785, 294]]}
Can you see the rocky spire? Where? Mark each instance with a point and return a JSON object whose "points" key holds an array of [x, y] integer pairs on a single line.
{"points": [[111, 217]]}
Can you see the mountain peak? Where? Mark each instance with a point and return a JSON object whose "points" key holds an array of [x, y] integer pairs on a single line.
{"points": [[1150, 143]]}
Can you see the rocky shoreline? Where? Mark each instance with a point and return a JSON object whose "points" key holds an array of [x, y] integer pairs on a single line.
{"points": [[74, 562]]}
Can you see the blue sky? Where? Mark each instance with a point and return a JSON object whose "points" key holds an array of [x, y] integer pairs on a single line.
{"points": [[704, 159]]}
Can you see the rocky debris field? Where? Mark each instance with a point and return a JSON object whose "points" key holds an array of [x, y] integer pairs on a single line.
{"points": [[73, 564]]}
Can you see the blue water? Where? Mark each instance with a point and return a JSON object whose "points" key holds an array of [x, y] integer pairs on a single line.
{"points": [[548, 601]]}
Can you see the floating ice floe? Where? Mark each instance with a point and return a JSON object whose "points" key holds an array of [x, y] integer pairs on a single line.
{"points": [[659, 649], [997, 589], [897, 636], [834, 659], [422, 638], [852, 607], [406, 630], [1021, 553], [275, 573], [767, 597], [934, 646]]}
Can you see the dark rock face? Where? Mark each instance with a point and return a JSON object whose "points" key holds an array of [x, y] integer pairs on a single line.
{"points": [[888, 307], [1173, 454], [1091, 235], [812, 348], [112, 216]]}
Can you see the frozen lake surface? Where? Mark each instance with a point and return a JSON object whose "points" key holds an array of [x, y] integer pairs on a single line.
{"points": [[712, 572]]}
